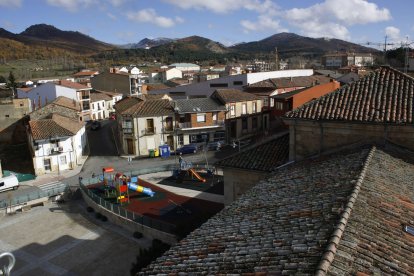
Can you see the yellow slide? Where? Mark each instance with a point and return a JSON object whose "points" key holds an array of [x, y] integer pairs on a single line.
{"points": [[193, 172]]}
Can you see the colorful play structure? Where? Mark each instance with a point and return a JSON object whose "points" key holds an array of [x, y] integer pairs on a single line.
{"points": [[186, 168], [118, 185]]}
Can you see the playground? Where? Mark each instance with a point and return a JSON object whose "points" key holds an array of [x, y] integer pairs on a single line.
{"points": [[148, 199]]}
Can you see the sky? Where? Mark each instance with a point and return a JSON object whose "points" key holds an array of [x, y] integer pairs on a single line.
{"points": [[225, 21]]}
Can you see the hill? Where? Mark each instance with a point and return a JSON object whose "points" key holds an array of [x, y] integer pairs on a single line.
{"points": [[148, 43], [292, 44], [47, 41]]}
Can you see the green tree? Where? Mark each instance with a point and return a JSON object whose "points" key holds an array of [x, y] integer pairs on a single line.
{"points": [[2, 79], [11, 82]]}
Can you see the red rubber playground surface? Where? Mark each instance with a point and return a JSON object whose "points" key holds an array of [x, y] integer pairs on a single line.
{"points": [[181, 211]]}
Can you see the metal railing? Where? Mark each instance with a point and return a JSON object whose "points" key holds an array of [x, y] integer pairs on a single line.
{"points": [[120, 211], [22, 199]]}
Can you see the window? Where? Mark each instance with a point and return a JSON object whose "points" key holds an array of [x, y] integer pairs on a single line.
{"points": [[278, 105], [127, 126], [63, 160], [180, 140], [215, 116], [219, 136], [1, 184], [272, 102], [237, 82], [266, 102], [244, 108], [244, 124], [201, 118], [7, 116], [254, 123], [150, 126], [85, 105], [219, 85], [232, 110], [254, 107]]}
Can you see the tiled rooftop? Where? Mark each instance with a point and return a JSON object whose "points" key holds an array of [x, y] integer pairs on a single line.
{"points": [[383, 96], [99, 96], [198, 105], [263, 157], [233, 95], [132, 106], [57, 126], [291, 82], [341, 214], [74, 85], [66, 102]]}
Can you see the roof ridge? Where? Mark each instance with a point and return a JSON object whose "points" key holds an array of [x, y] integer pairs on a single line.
{"points": [[330, 250]]}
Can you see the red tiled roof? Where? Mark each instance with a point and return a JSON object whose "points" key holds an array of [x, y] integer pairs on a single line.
{"points": [[57, 126], [71, 84], [66, 102], [98, 96], [133, 106], [275, 83], [383, 96]]}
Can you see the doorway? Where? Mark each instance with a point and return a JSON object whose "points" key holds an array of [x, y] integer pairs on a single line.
{"points": [[46, 164], [130, 146]]}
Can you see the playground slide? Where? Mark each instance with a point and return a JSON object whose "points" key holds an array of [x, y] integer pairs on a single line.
{"points": [[140, 189], [193, 172]]}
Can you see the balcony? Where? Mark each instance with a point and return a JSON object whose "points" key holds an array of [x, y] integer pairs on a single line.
{"points": [[127, 130], [167, 129], [148, 131]]}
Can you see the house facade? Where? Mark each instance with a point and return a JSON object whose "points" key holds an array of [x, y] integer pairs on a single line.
{"points": [[338, 60], [145, 125], [163, 75], [57, 143], [244, 117], [102, 104], [377, 108], [84, 77], [199, 121]]}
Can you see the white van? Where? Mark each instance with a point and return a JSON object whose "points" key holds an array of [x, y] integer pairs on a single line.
{"points": [[8, 183]]}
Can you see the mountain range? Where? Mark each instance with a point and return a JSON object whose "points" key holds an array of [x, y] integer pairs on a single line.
{"points": [[42, 41]]}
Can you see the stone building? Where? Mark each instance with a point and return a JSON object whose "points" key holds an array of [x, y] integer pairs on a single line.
{"points": [[12, 112], [375, 109]]}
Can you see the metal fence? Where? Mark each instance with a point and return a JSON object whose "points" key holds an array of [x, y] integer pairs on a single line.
{"points": [[22, 199], [119, 210]]}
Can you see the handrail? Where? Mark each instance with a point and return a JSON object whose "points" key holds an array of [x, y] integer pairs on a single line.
{"points": [[12, 261]]}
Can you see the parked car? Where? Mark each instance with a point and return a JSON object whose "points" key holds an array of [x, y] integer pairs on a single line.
{"points": [[190, 148], [9, 182], [96, 125], [215, 145]]}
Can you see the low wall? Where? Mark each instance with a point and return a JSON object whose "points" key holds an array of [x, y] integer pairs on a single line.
{"points": [[129, 224]]}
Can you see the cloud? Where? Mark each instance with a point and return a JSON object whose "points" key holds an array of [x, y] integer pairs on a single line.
{"points": [[331, 17], [263, 23], [11, 3], [70, 5], [151, 16], [393, 33], [223, 6]]}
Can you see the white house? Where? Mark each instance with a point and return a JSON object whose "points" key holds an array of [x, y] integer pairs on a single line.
{"points": [[48, 92], [163, 75], [57, 143], [145, 124], [102, 103], [206, 88]]}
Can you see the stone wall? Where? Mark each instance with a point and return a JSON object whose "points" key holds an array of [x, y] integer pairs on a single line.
{"points": [[237, 182], [312, 137]]}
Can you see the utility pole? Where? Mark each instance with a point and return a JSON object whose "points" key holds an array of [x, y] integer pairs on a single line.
{"points": [[384, 45], [276, 59]]}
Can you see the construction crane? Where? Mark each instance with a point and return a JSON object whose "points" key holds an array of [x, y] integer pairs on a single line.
{"points": [[384, 45]]}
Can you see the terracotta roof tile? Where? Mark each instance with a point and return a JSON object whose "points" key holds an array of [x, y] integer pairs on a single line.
{"points": [[291, 82], [197, 105], [66, 102], [57, 126], [74, 85], [98, 96], [383, 96], [263, 157], [133, 106]]}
